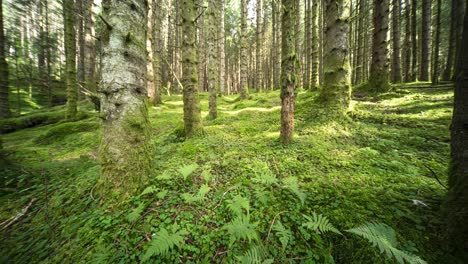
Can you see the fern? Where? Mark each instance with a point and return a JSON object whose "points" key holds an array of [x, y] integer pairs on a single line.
{"points": [[384, 237], [150, 189], [164, 241], [237, 203], [291, 184], [165, 176], [266, 178], [319, 223], [284, 235], [135, 214], [187, 170], [241, 228], [255, 255], [189, 198]]}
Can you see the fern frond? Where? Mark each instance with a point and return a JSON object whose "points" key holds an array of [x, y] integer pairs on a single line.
{"points": [[164, 241], [255, 255], [199, 197], [149, 189], [291, 183], [241, 228], [266, 178], [237, 203], [284, 235], [384, 237], [165, 176], [187, 170], [135, 214], [319, 223]]}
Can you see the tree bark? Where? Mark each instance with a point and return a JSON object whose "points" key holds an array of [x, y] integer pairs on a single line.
{"points": [[307, 44], [436, 67], [4, 87], [221, 53], [213, 58], [315, 46], [125, 151], [244, 86], [70, 58], [378, 79], [258, 49], [425, 40], [407, 43], [90, 46], [192, 115], [396, 58], [336, 94], [288, 69], [457, 200], [414, 33]]}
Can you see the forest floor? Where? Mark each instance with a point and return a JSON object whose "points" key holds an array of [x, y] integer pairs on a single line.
{"points": [[216, 197]]}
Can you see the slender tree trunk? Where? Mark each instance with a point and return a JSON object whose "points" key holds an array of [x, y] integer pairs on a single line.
{"points": [[258, 49], [90, 46], [396, 59], [201, 44], [425, 40], [407, 44], [288, 69], [297, 42], [4, 87], [336, 94], [244, 89], [378, 80], [307, 44], [221, 53], [436, 67], [192, 115], [80, 31], [360, 44], [150, 43], [414, 33], [70, 58], [125, 151], [459, 45], [457, 200], [213, 69], [316, 46]]}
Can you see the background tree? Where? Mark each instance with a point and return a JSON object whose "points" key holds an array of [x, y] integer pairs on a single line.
{"points": [[378, 79], [425, 39], [70, 55], [244, 89], [213, 58], [4, 88], [125, 151], [396, 54], [435, 70]]}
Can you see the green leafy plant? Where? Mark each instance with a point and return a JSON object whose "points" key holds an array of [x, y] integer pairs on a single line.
{"points": [[254, 255], [291, 183], [199, 197], [237, 204], [319, 223], [186, 170], [242, 229], [164, 241], [284, 235], [384, 237]]}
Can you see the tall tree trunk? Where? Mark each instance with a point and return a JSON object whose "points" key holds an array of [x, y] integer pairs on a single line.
{"points": [[80, 32], [213, 58], [258, 49], [157, 50], [244, 89], [315, 46], [70, 58], [457, 200], [407, 45], [414, 33], [436, 67], [201, 45], [125, 151], [4, 88], [336, 94], [150, 44], [297, 41], [460, 14], [425, 40], [48, 48], [307, 44], [288, 69], [90, 46], [192, 115], [396, 58], [360, 44], [378, 80], [221, 54]]}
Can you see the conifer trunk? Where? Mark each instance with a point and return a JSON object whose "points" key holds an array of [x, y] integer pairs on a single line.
{"points": [[407, 43], [244, 86], [307, 45], [125, 151], [414, 33], [4, 88], [396, 58], [70, 58], [425, 40], [288, 69], [316, 47], [258, 49], [378, 79], [90, 46], [436, 67], [213, 60]]}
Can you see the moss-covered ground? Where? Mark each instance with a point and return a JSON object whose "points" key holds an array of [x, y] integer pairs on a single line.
{"points": [[378, 165]]}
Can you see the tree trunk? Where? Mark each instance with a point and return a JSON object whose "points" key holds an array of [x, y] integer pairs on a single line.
{"points": [[307, 45], [201, 45], [361, 39], [80, 31], [288, 69], [90, 46], [336, 94], [213, 69], [457, 200], [221, 53], [460, 14], [435, 70], [258, 49], [4, 88], [407, 44], [414, 33], [425, 40], [378, 80], [315, 46], [70, 58], [244, 89], [396, 58], [192, 115], [125, 151], [150, 44]]}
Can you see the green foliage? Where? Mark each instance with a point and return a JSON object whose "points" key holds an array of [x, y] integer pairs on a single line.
{"points": [[63, 130], [254, 255], [135, 214], [199, 197], [237, 204], [292, 184], [284, 235], [186, 170], [240, 228], [165, 241], [319, 223], [384, 237]]}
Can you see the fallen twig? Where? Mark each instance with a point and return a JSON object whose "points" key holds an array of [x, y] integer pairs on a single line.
{"points": [[19, 215], [435, 176], [273, 222]]}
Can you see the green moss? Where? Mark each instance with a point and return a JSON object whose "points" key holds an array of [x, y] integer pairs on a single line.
{"points": [[59, 132]]}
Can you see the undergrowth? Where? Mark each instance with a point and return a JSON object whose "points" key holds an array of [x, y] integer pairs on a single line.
{"points": [[236, 194]]}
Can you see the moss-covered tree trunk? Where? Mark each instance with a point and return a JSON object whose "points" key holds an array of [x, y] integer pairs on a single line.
{"points": [[221, 51], [436, 67], [4, 89], [307, 44], [125, 151], [406, 52], [315, 46], [378, 79], [288, 69], [213, 58], [244, 85], [70, 58], [336, 94], [192, 115], [150, 41], [396, 55], [425, 40], [90, 46], [457, 202], [360, 45], [157, 50]]}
